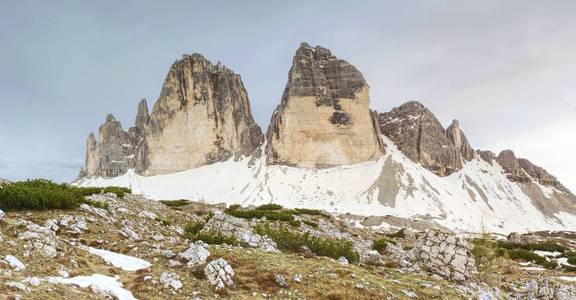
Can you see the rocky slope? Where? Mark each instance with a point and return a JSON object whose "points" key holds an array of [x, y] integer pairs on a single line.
{"points": [[324, 118], [136, 248]]}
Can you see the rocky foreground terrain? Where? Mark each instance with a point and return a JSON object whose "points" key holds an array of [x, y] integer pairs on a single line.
{"points": [[132, 247]]}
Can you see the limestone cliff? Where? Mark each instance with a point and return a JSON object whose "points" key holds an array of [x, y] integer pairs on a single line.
{"points": [[420, 136], [202, 116], [324, 119], [114, 152]]}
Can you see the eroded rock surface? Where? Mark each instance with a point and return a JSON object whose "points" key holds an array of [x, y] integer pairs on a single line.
{"points": [[417, 132], [324, 118], [202, 116]]}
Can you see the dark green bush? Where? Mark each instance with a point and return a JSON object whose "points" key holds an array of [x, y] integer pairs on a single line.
{"points": [[310, 223], [526, 255], [38, 194], [234, 207], [295, 223], [193, 228], [323, 246], [88, 191], [163, 221], [119, 191], [398, 234], [313, 212], [175, 203], [98, 204], [380, 244], [270, 206], [214, 238], [208, 216], [273, 215], [541, 246]]}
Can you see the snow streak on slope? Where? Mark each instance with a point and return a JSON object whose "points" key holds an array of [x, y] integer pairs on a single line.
{"points": [[479, 196]]}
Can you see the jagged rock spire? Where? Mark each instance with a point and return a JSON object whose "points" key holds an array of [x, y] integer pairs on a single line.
{"points": [[324, 117], [420, 136]]}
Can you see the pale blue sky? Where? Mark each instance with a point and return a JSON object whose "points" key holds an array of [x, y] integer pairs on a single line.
{"points": [[505, 69]]}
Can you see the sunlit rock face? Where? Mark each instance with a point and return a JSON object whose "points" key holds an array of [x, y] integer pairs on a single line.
{"points": [[324, 119], [202, 116], [420, 136]]}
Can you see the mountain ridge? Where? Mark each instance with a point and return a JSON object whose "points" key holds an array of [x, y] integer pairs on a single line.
{"points": [[323, 130]]}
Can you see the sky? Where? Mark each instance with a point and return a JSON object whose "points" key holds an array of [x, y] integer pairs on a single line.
{"points": [[505, 69]]}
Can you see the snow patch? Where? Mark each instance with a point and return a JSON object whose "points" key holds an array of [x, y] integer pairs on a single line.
{"points": [[124, 262], [100, 284]]}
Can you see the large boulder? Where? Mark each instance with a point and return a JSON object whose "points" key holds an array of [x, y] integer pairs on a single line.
{"points": [[444, 254], [324, 119], [219, 274], [420, 136]]}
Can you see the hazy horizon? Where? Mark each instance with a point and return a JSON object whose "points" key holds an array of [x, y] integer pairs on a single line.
{"points": [[504, 69]]}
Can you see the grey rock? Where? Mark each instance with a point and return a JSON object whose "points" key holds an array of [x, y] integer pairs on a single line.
{"points": [[342, 260], [219, 274], [2, 214], [170, 280], [444, 254], [324, 118], [195, 255], [420, 136], [280, 280]]}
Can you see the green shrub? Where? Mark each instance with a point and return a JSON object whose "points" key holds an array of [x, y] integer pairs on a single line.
{"points": [[398, 234], [571, 257], [234, 207], [119, 191], [313, 212], [273, 215], [208, 216], [380, 244], [38, 194], [310, 223], [214, 238], [323, 246], [193, 228], [270, 206], [163, 221], [526, 255], [550, 246], [551, 265], [97, 204], [175, 203], [295, 223], [569, 268]]}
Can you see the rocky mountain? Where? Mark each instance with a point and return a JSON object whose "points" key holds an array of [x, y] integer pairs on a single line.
{"points": [[420, 136], [202, 116], [324, 149], [324, 118]]}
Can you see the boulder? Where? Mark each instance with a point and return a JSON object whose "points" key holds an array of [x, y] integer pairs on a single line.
{"points": [[196, 254], [324, 119], [444, 254], [219, 274]]}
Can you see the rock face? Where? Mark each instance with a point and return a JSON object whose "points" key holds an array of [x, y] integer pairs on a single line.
{"points": [[324, 119], [202, 116], [420, 136], [521, 169], [113, 154]]}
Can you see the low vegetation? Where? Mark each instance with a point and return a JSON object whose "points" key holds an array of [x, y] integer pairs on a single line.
{"points": [[486, 250], [381, 244], [214, 238], [273, 215], [40, 194], [175, 203], [398, 234], [324, 246]]}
